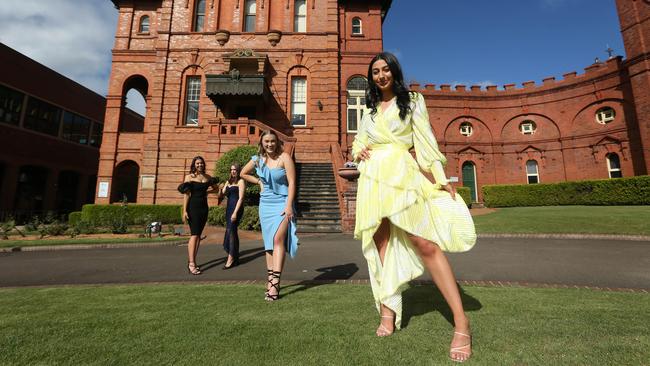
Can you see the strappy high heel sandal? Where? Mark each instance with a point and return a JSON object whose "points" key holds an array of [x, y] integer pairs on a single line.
{"points": [[269, 282], [382, 331], [275, 284], [465, 350], [193, 269]]}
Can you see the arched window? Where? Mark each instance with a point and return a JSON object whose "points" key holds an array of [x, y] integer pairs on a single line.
{"points": [[300, 16], [605, 115], [299, 101], [356, 26], [192, 98], [144, 24], [532, 172], [250, 11], [466, 129], [199, 16], [356, 101], [614, 166], [527, 127]]}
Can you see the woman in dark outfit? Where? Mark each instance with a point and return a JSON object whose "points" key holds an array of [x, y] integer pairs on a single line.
{"points": [[195, 189], [234, 191]]}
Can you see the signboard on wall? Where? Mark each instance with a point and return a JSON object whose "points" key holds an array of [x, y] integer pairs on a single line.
{"points": [[102, 192]]}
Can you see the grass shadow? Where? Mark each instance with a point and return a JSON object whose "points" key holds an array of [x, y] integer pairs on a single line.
{"points": [[422, 299], [328, 275]]}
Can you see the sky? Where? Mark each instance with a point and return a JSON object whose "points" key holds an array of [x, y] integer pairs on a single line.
{"points": [[471, 42]]}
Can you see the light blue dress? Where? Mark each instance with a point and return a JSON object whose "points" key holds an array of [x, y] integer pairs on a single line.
{"points": [[273, 200]]}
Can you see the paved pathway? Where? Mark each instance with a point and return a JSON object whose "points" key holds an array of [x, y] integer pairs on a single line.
{"points": [[600, 263]]}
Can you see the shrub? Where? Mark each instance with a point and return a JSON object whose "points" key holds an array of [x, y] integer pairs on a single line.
{"points": [[466, 193], [7, 227], [251, 219], [102, 215], [217, 216], [74, 218], [240, 155], [606, 192]]}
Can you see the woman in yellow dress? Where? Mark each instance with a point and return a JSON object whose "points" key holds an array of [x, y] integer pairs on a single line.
{"points": [[405, 221]]}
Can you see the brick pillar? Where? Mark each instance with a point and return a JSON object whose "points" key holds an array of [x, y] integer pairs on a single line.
{"points": [[350, 202], [634, 16]]}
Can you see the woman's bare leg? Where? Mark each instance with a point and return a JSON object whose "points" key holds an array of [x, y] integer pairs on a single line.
{"points": [[438, 266], [192, 247], [278, 252], [387, 321]]}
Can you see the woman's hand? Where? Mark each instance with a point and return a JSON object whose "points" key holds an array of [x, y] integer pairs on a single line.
{"points": [[259, 183], [288, 212], [186, 217], [233, 218], [364, 154], [449, 188]]}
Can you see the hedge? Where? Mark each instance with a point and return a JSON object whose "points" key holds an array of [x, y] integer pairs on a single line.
{"points": [[249, 221], [606, 192], [104, 215], [74, 218], [466, 194]]}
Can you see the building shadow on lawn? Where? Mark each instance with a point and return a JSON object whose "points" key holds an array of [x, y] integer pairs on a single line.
{"points": [[328, 275], [245, 256], [420, 299]]}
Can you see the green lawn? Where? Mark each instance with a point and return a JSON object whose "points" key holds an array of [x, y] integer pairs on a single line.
{"points": [[319, 325], [631, 220], [117, 240]]}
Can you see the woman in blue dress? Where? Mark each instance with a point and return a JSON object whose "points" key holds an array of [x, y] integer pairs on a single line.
{"points": [[233, 190], [277, 181]]}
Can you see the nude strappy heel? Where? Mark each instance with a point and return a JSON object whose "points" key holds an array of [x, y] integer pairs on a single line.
{"points": [[463, 350], [382, 331]]}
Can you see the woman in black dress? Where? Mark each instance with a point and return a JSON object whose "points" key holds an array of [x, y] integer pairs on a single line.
{"points": [[195, 188], [234, 191]]}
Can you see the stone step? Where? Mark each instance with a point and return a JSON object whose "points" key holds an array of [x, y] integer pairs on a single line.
{"points": [[306, 207], [324, 200], [319, 214], [318, 220], [316, 193], [308, 228]]}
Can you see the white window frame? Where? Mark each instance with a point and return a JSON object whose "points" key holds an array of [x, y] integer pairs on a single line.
{"points": [[536, 174], [250, 10], [605, 115], [358, 107], [298, 98], [192, 100], [527, 127], [466, 129], [610, 170], [360, 26], [300, 20]]}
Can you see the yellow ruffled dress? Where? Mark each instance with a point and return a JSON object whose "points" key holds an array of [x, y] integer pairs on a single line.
{"points": [[392, 186]]}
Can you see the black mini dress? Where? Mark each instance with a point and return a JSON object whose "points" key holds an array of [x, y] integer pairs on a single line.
{"points": [[197, 206]]}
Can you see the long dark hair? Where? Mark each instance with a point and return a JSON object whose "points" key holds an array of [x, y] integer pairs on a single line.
{"points": [[373, 94], [234, 180], [193, 167], [278, 145]]}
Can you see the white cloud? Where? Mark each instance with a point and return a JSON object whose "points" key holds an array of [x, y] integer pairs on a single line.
{"points": [[72, 37]]}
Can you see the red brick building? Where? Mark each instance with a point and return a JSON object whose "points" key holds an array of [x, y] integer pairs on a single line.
{"points": [[50, 133], [215, 73]]}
